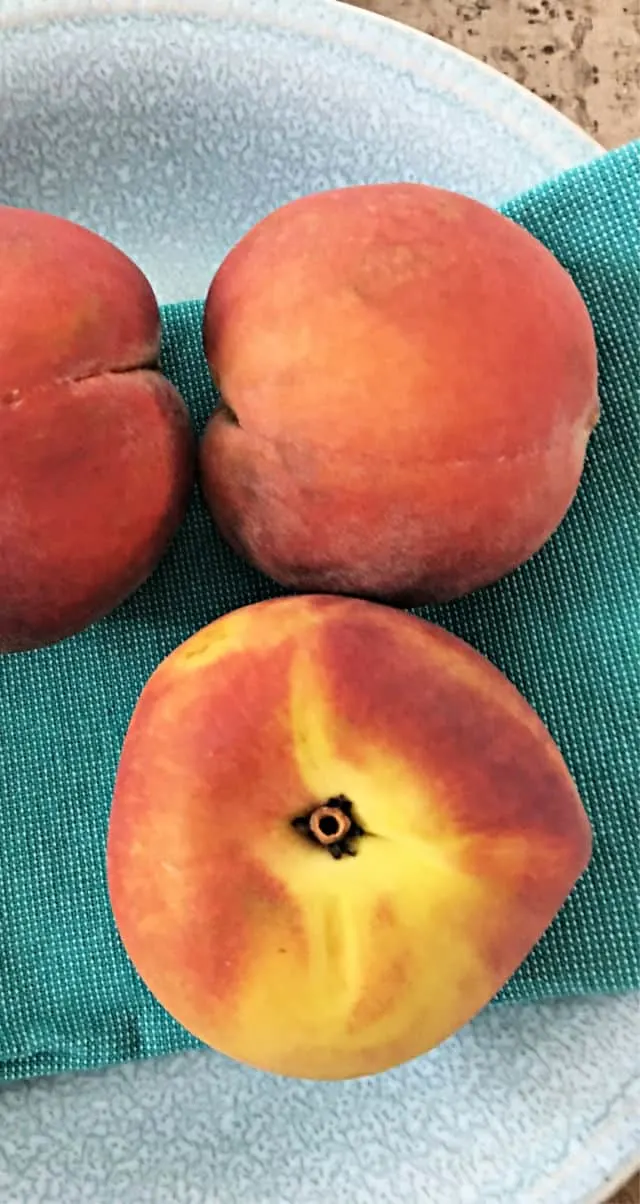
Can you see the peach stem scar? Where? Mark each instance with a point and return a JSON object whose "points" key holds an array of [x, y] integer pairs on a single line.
{"points": [[331, 825]]}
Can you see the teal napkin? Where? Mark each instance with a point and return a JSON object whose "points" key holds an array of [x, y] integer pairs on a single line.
{"points": [[564, 628]]}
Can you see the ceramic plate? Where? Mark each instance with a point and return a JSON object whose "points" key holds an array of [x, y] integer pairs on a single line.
{"points": [[171, 127]]}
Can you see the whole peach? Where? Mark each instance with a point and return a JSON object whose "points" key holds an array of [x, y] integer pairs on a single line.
{"points": [[336, 831], [409, 384], [96, 448]]}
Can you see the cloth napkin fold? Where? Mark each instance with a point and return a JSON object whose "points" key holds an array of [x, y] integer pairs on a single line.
{"points": [[564, 628]]}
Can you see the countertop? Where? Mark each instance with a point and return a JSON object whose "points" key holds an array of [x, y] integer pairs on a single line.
{"points": [[582, 56]]}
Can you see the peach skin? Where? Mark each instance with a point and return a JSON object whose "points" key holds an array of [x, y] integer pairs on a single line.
{"points": [[336, 832], [96, 448], [408, 383]]}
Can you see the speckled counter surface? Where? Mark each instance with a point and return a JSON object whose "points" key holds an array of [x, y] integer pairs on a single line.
{"points": [[582, 56]]}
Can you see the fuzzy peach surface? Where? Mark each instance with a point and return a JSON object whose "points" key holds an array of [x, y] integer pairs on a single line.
{"points": [[248, 931], [96, 450], [409, 382]]}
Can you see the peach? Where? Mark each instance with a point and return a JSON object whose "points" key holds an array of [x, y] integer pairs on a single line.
{"points": [[336, 831], [408, 383], [96, 448]]}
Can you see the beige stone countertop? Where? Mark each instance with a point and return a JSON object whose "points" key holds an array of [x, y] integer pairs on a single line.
{"points": [[582, 56]]}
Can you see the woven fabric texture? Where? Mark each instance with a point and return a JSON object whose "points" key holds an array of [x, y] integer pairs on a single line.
{"points": [[564, 628]]}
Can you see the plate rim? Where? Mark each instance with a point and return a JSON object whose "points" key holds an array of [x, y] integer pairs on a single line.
{"points": [[616, 1180], [404, 49]]}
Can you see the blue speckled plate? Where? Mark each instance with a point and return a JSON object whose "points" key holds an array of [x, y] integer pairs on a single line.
{"points": [[171, 127]]}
